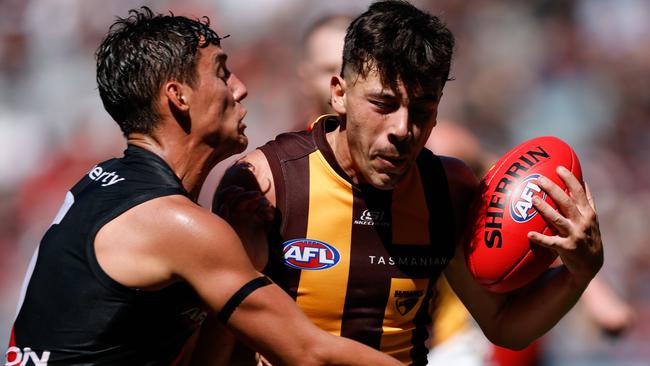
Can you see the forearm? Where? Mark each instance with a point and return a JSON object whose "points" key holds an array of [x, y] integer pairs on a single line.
{"points": [[348, 352], [529, 313], [323, 349], [271, 323]]}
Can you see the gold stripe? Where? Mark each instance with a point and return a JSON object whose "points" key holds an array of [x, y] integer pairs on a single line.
{"points": [[410, 226], [398, 321], [450, 316], [321, 294], [410, 212], [322, 116]]}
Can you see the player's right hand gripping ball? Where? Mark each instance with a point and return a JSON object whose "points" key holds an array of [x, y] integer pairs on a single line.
{"points": [[499, 254]]}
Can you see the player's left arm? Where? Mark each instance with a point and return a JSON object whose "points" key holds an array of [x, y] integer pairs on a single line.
{"points": [[215, 344], [515, 319]]}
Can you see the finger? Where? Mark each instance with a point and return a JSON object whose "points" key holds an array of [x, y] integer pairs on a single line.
{"points": [[550, 242], [573, 185], [552, 216], [590, 197], [564, 202]]}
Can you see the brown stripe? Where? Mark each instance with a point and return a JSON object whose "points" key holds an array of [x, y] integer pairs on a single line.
{"points": [[369, 285], [295, 204], [441, 231], [324, 125], [410, 212]]}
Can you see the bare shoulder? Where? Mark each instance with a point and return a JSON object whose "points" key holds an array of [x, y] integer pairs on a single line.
{"points": [[153, 244]]}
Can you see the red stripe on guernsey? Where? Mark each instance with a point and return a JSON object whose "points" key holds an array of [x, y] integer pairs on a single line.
{"points": [[12, 338], [11, 357], [185, 353], [179, 359]]}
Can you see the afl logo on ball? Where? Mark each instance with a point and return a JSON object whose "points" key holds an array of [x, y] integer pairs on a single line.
{"points": [[521, 201], [310, 254]]}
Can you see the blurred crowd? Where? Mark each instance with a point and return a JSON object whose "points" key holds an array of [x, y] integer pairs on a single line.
{"points": [[576, 69]]}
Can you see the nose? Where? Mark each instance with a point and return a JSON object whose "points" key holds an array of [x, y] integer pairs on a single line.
{"points": [[239, 91], [401, 126]]}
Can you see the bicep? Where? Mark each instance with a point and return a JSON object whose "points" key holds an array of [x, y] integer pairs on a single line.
{"points": [[263, 316], [213, 260], [482, 304], [463, 187]]}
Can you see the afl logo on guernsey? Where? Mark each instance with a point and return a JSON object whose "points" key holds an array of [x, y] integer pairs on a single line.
{"points": [[310, 254], [521, 200]]}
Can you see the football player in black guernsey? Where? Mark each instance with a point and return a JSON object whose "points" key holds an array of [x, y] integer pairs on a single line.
{"points": [[131, 265]]}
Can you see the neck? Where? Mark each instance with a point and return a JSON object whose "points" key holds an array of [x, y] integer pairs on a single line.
{"points": [[338, 142], [190, 162]]}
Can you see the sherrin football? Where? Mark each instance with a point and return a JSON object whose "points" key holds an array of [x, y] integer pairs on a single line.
{"points": [[499, 255]]}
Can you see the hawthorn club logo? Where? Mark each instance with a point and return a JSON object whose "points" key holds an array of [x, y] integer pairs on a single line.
{"points": [[405, 301]]}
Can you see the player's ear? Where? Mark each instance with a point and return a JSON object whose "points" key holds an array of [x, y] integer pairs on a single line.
{"points": [[175, 93], [337, 90]]}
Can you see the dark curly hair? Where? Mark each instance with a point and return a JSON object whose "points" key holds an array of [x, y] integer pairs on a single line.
{"points": [[399, 42], [139, 54]]}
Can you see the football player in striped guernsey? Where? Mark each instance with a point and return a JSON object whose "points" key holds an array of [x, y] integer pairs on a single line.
{"points": [[366, 219]]}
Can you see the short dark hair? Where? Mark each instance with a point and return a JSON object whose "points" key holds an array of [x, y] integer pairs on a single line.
{"points": [[139, 54], [399, 42]]}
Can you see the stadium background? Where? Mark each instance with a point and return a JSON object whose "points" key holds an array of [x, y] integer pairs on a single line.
{"points": [[577, 69]]}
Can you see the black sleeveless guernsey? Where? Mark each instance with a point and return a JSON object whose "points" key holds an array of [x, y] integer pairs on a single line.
{"points": [[360, 262], [71, 312]]}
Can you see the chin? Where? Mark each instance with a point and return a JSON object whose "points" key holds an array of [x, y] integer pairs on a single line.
{"points": [[242, 144], [229, 147], [385, 183], [243, 141]]}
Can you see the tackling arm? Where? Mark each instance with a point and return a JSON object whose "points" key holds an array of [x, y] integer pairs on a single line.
{"points": [[263, 315]]}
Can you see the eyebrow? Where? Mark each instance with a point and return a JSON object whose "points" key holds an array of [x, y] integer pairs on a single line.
{"points": [[429, 97], [424, 98], [382, 94]]}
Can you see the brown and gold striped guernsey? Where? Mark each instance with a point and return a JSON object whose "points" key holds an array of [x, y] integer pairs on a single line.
{"points": [[359, 261]]}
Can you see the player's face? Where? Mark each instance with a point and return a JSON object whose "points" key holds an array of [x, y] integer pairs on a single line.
{"points": [[216, 103], [386, 129]]}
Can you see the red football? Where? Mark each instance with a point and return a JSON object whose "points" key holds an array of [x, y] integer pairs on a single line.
{"points": [[499, 255]]}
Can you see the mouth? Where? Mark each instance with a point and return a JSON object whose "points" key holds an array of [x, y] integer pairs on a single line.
{"points": [[241, 125], [392, 164]]}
